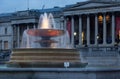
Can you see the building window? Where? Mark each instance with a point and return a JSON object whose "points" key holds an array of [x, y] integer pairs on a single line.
{"points": [[14, 44], [100, 18], [5, 44], [5, 30]]}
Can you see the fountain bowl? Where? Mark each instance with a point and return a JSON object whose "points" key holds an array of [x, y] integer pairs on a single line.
{"points": [[45, 32]]}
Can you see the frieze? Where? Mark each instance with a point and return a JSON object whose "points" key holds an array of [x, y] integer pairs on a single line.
{"points": [[94, 10]]}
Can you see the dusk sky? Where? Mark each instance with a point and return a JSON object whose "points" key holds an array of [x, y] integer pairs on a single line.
{"points": [[7, 6]]}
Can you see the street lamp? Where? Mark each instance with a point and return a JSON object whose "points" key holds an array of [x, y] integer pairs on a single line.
{"points": [[75, 33], [97, 39]]}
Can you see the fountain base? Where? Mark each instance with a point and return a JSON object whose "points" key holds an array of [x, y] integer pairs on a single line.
{"points": [[45, 57]]}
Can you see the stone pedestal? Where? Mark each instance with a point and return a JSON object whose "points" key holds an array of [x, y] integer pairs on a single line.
{"points": [[45, 57]]}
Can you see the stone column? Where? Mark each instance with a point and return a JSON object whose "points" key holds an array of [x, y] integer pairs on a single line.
{"points": [[12, 33], [18, 36], [34, 25], [80, 30], [104, 29], [113, 29], [88, 29], [72, 30], [96, 29]]}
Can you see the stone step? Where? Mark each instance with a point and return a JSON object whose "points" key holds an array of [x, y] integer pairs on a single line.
{"points": [[47, 55], [52, 57], [45, 58], [59, 56], [44, 54], [45, 61]]}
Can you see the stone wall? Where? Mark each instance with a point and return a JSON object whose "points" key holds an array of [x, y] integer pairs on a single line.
{"points": [[102, 56], [58, 73]]}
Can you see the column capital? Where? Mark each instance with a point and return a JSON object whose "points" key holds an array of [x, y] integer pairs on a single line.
{"points": [[72, 16], [17, 25], [96, 14], [80, 15], [13, 25], [64, 16], [113, 13], [87, 14], [104, 13]]}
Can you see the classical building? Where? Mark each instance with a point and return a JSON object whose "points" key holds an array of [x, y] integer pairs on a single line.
{"points": [[91, 23], [93, 26], [94, 22]]}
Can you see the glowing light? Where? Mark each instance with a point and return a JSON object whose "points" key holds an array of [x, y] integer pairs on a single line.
{"points": [[97, 36], [82, 36], [75, 33], [100, 18], [107, 17]]}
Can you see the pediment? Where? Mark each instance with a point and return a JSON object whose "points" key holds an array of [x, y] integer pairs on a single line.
{"points": [[89, 5]]}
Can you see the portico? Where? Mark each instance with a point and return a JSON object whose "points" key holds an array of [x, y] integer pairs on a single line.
{"points": [[93, 26]]}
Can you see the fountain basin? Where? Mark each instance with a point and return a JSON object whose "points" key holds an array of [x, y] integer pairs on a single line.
{"points": [[45, 57]]}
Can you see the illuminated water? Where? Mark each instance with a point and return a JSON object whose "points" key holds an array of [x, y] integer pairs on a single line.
{"points": [[46, 35]]}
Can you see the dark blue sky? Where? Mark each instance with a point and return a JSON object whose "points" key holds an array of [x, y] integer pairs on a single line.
{"points": [[18, 5]]}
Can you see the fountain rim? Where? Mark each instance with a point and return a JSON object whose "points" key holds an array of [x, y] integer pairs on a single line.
{"points": [[45, 32], [45, 48]]}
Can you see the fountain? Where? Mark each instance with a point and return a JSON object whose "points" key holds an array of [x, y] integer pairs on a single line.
{"points": [[46, 35], [45, 46], [46, 53]]}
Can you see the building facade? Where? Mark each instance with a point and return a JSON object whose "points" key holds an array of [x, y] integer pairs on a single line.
{"points": [[90, 23], [94, 23], [12, 25]]}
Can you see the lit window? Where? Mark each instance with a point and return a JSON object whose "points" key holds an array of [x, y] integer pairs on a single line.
{"points": [[100, 18], [83, 36]]}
